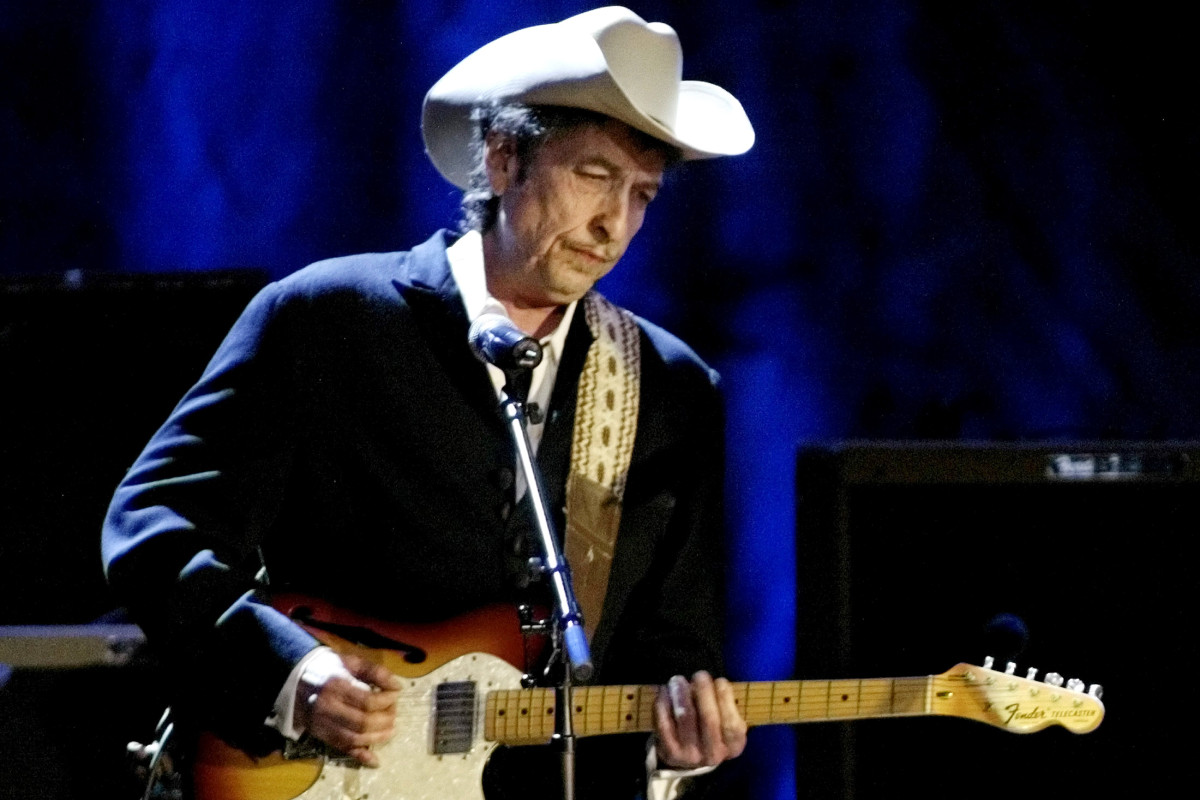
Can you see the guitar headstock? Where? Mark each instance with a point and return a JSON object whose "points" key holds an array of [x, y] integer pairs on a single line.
{"points": [[1016, 704]]}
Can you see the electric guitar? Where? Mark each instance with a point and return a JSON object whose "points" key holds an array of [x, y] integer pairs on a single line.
{"points": [[462, 698]]}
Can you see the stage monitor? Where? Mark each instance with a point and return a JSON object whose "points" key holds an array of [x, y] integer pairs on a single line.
{"points": [[1074, 558]]}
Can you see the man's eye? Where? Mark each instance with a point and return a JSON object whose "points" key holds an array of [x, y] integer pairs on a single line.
{"points": [[646, 196]]}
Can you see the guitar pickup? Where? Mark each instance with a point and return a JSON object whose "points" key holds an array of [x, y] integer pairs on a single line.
{"points": [[454, 717]]}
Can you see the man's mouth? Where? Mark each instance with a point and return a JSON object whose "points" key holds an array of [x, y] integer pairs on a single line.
{"points": [[589, 254]]}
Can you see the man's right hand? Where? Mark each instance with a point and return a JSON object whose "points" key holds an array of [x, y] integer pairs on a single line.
{"points": [[351, 709]]}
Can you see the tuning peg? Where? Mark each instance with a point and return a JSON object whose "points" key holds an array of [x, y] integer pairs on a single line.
{"points": [[1010, 668], [1054, 679], [1095, 690], [1076, 685], [988, 661], [1031, 673]]}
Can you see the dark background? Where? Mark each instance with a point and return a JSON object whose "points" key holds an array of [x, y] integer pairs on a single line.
{"points": [[961, 221]]}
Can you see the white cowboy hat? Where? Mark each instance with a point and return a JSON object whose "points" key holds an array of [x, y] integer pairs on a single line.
{"points": [[608, 60]]}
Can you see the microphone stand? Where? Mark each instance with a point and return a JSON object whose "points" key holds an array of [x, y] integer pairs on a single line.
{"points": [[570, 640]]}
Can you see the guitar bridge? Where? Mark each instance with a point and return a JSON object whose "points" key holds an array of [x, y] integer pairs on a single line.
{"points": [[454, 717]]}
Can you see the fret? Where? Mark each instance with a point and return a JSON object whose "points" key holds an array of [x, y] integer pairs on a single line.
{"points": [[498, 715], [582, 699], [625, 709], [541, 714], [523, 710], [785, 700], [646, 707], [511, 702], [877, 698], [814, 701], [740, 694], [579, 702], [757, 708], [512, 713], [490, 732], [841, 701], [591, 698], [610, 701], [496, 727]]}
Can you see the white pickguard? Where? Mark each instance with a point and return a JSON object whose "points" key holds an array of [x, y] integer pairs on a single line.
{"points": [[409, 770]]}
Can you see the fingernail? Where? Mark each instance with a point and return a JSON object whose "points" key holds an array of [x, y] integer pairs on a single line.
{"points": [[678, 689]]}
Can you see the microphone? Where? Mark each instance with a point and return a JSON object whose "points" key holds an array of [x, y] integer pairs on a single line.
{"points": [[497, 341]]}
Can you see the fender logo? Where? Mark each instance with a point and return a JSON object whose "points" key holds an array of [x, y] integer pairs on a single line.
{"points": [[1015, 712], [1037, 712]]}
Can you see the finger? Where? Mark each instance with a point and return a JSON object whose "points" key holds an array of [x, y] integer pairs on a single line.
{"points": [[733, 724], [683, 710], [342, 729], [362, 696], [372, 673], [664, 728], [348, 741], [365, 755], [379, 701], [352, 707], [675, 725], [708, 719], [353, 721]]}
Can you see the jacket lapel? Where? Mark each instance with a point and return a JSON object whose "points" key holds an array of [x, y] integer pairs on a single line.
{"points": [[429, 290]]}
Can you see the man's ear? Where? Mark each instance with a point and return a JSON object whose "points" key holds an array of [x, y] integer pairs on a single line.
{"points": [[500, 161]]}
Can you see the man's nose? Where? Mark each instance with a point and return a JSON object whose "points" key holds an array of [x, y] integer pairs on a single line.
{"points": [[612, 217]]}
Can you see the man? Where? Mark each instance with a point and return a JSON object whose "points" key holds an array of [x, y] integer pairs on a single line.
{"points": [[345, 438]]}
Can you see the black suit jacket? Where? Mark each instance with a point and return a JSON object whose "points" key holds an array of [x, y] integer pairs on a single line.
{"points": [[345, 435]]}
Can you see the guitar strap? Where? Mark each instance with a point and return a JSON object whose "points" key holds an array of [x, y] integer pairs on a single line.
{"points": [[606, 413]]}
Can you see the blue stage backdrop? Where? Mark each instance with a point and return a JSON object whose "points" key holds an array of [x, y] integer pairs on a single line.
{"points": [[961, 220]]}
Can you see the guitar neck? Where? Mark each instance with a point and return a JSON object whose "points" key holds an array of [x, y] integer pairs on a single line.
{"points": [[526, 716]]}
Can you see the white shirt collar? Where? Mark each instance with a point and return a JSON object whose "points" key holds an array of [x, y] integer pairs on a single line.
{"points": [[466, 265]]}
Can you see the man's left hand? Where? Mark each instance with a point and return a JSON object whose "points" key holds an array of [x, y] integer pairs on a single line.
{"points": [[697, 724]]}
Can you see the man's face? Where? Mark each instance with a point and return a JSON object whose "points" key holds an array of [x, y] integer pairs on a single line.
{"points": [[582, 199]]}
